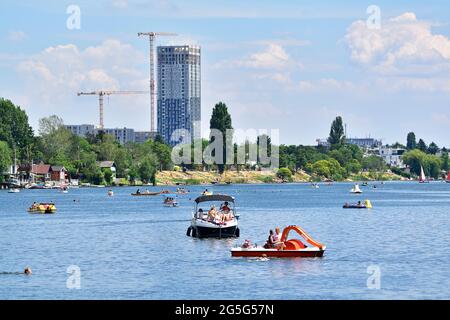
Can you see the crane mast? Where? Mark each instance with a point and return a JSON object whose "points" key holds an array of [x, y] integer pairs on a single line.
{"points": [[101, 94], [151, 36]]}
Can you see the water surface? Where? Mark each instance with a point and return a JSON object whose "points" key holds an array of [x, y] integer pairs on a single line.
{"points": [[134, 248]]}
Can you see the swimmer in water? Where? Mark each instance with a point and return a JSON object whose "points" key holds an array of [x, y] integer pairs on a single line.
{"points": [[27, 271]]}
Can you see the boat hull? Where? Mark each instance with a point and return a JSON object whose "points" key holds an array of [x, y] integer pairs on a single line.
{"points": [[225, 232], [277, 253]]}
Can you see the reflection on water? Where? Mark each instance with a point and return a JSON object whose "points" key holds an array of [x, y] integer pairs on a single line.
{"points": [[144, 246]]}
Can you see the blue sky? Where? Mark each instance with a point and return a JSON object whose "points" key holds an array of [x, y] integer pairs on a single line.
{"points": [[291, 65]]}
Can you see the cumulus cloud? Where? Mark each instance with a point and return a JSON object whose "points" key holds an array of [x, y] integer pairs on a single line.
{"points": [[61, 71], [403, 44]]}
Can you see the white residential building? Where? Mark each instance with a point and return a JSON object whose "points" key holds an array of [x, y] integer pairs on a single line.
{"points": [[391, 156]]}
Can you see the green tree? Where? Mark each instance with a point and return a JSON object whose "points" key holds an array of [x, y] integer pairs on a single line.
{"points": [[414, 159], [285, 174], [411, 141], [5, 158], [432, 166], [337, 133], [147, 169], [14, 128], [422, 146], [433, 148], [221, 120], [445, 161], [107, 173], [373, 163]]}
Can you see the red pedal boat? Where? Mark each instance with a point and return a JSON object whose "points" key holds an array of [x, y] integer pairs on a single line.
{"points": [[292, 247]]}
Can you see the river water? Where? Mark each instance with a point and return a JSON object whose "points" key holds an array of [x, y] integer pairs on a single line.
{"points": [[134, 248]]}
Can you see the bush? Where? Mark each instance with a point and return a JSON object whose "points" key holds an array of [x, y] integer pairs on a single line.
{"points": [[285, 174]]}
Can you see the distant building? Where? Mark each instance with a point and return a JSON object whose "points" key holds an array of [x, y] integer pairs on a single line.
{"points": [[108, 165], [179, 96], [82, 130], [122, 135], [143, 136], [322, 143], [364, 143], [391, 156]]}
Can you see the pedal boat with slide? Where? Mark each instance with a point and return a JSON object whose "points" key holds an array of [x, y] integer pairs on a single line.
{"points": [[203, 226], [293, 248]]}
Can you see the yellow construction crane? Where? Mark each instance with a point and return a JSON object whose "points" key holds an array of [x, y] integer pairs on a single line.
{"points": [[151, 36], [101, 94]]}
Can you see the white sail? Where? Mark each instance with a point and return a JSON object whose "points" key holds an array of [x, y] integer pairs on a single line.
{"points": [[422, 174]]}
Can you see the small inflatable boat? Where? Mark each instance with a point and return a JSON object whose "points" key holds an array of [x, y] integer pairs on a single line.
{"points": [[366, 205], [42, 208]]}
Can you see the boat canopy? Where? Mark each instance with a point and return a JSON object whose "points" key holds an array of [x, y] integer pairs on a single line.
{"points": [[215, 197]]}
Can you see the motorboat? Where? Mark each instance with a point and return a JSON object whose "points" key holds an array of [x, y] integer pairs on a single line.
{"points": [[14, 190], [287, 248], [170, 200], [207, 193], [182, 191], [207, 222], [42, 208], [148, 193], [356, 189], [366, 205]]}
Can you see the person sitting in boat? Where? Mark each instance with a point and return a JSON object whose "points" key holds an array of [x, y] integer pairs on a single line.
{"points": [[277, 239], [225, 208], [200, 213], [212, 213], [205, 192], [34, 206], [359, 204], [270, 243], [138, 191]]}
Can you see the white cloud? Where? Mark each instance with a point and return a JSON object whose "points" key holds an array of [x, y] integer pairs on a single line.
{"points": [[61, 71], [326, 84], [403, 44], [120, 4], [273, 57], [16, 36]]}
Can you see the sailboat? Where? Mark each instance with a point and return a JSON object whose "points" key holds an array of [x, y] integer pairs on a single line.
{"points": [[448, 177], [422, 178], [356, 189]]}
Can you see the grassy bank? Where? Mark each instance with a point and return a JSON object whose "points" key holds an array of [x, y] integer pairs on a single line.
{"points": [[253, 177]]}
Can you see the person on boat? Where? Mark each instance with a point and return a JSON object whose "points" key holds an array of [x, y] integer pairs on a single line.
{"points": [[346, 205], [138, 191], [359, 204], [270, 243], [212, 213], [200, 213], [277, 239]]}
